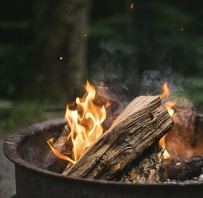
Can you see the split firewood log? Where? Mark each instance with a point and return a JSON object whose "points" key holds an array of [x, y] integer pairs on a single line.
{"points": [[62, 146], [145, 169], [142, 123]]}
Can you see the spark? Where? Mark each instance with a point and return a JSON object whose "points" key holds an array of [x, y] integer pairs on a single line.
{"points": [[132, 6]]}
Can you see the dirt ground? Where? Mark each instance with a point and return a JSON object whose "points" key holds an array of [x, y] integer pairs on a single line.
{"points": [[7, 174]]}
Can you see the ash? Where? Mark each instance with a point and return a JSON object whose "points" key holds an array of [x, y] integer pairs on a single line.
{"points": [[194, 180]]}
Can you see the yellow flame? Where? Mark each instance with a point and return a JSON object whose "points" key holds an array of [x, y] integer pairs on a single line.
{"points": [[57, 153], [165, 92], [169, 107], [162, 143], [85, 123]]}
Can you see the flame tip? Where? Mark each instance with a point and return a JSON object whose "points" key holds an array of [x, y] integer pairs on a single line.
{"points": [[85, 123], [169, 106]]}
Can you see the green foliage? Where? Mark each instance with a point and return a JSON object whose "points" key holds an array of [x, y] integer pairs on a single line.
{"points": [[169, 37], [110, 27], [22, 114], [15, 47], [111, 33], [155, 35], [170, 17], [194, 91], [14, 68], [14, 25]]}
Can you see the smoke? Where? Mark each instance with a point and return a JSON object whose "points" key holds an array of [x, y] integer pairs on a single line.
{"points": [[180, 140], [152, 81], [184, 139], [116, 68]]}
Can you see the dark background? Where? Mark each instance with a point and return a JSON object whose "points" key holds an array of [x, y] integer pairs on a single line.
{"points": [[49, 48]]}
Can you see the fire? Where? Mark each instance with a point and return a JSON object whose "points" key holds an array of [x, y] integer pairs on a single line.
{"points": [[169, 107], [165, 92], [85, 123]]}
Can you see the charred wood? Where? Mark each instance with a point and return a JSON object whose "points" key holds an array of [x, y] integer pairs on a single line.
{"points": [[181, 169], [142, 123], [62, 144], [52, 162], [112, 104], [145, 169]]}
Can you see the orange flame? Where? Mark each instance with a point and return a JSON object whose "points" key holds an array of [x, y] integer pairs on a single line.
{"points": [[57, 153], [165, 92], [85, 123], [169, 107]]}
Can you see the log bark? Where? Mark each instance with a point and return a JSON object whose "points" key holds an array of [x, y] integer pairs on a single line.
{"points": [[61, 145], [142, 123], [146, 169]]}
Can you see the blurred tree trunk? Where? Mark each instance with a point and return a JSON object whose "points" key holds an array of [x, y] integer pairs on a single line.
{"points": [[61, 28]]}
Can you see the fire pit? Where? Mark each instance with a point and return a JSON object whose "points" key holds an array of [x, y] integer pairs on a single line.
{"points": [[28, 147]]}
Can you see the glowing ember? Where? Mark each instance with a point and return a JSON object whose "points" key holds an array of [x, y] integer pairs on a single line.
{"points": [[85, 123], [131, 6], [169, 107], [165, 154]]}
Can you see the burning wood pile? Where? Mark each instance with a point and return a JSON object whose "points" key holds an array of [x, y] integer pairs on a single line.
{"points": [[141, 142]]}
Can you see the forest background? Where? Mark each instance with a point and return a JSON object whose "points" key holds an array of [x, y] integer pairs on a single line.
{"points": [[48, 49]]}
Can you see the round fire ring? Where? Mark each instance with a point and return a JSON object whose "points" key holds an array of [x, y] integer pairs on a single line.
{"points": [[27, 148]]}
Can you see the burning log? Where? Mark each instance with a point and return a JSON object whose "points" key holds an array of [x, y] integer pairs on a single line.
{"points": [[52, 162], [61, 145], [181, 169], [145, 169], [140, 125], [103, 96], [180, 140]]}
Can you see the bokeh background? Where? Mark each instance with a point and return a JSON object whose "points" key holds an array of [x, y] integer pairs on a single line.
{"points": [[49, 48]]}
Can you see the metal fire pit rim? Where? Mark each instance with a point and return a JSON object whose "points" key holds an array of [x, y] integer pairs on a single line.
{"points": [[13, 141]]}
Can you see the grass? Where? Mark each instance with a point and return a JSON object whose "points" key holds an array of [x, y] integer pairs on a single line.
{"points": [[21, 114]]}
